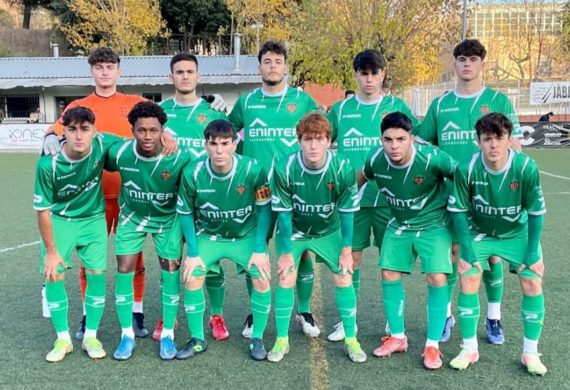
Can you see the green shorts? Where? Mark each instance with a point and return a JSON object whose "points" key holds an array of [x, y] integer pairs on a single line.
{"points": [[512, 250], [327, 248], [168, 243], [87, 235], [213, 251], [367, 221], [401, 248]]}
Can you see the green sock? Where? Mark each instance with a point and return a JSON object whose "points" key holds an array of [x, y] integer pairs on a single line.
{"points": [[249, 285], [94, 300], [124, 296], [394, 304], [170, 297], [494, 282], [346, 305], [469, 311], [532, 312], [451, 282], [57, 302], [260, 307], [305, 280], [437, 311], [216, 287], [195, 306], [284, 300], [356, 282]]}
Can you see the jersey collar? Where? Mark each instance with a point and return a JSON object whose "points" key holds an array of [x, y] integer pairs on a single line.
{"points": [[474, 95], [406, 165], [370, 102], [314, 171], [280, 93], [194, 104], [507, 166], [74, 161], [217, 176], [143, 158]]}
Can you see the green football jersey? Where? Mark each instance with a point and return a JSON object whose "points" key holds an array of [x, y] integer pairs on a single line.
{"points": [[72, 188], [415, 192], [498, 202], [187, 123], [224, 205], [450, 120], [149, 185], [356, 129], [269, 123], [315, 197]]}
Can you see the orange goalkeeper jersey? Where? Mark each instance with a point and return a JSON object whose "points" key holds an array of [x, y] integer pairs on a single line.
{"points": [[110, 117]]}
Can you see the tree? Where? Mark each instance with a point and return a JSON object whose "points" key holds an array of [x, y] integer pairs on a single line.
{"points": [[410, 33], [126, 26], [28, 6]]}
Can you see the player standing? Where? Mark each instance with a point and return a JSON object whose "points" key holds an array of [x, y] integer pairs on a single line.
{"points": [[224, 206], [314, 194], [498, 193], [450, 124], [69, 203], [412, 179], [355, 122], [148, 206], [268, 116]]}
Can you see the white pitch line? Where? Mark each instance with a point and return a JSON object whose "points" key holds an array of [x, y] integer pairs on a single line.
{"points": [[19, 246], [553, 175]]}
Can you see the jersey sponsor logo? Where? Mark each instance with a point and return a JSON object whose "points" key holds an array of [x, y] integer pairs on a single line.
{"points": [[262, 193], [484, 109], [257, 107], [416, 203], [451, 109], [240, 189], [130, 169], [137, 194], [194, 145], [71, 189], [480, 183], [291, 107], [298, 183], [322, 210], [482, 206], [62, 177], [213, 212], [205, 190], [259, 131], [349, 116], [419, 180], [202, 118], [354, 139], [514, 185], [452, 133], [165, 175]]}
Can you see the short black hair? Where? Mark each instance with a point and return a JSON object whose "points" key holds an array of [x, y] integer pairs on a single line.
{"points": [[220, 128], [493, 123], [469, 48], [103, 54], [147, 109], [183, 57], [396, 120], [274, 47], [79, 115], [369, 59]]}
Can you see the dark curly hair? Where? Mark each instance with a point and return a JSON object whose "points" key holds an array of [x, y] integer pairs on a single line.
{"points": [[147, 110], [79, 115], [274, 47], [219, 128], [103, 54], [493, 123], [470, 47]]}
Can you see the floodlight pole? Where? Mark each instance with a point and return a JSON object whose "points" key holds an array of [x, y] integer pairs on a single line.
{"points": [[464, 22]]}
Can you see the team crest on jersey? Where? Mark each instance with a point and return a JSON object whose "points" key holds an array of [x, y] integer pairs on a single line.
{"points": [[419, 180], [240, 189], [514, 185], [330, 185], [202, 118], [485, 109], [291, 107], [165, 174]]}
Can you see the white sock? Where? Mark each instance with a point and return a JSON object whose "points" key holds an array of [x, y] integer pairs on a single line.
{"points": [[137, 307], [167, 333], [84, 312], [494, 311], [471, 344], [90, 333], [398, 335], [530, 346], [128, 332], [64, 336], [449, 310], [432, 343]]}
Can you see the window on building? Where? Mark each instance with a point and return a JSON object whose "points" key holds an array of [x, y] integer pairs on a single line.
{"points": [[61, 102], [153, 97], [19, 106]]}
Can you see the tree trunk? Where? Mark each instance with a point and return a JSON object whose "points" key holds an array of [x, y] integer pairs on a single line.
{"points": [[27, 16]]}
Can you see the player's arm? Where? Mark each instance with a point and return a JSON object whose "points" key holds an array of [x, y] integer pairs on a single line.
{"points": [[112, 157], [169, 143], [446, 164], [348, 204], [533, 202], [366, 173], [281, 203], [427, 129]]}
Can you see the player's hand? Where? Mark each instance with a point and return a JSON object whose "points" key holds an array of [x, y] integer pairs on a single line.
{"points": [[285, 265], [463, 267], [261, 261], [51, 145], [169, 144], [190, 264], [218, 104], [51, 262], [537, 268], [345, 261]]}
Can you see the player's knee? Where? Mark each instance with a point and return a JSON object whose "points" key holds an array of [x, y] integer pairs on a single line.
{"points": [[356, 259], [194, 282], [95, 271], [169, 265], [261, 285], [390, 276], [57, 278], [437, 280], [470, 284], [531, 287], [494, 260], [341, 280], [288, 281]]}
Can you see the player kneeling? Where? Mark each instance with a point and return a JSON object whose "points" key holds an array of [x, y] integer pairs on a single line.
{"points": [[499, 194], [314, 193], [70, 207], [225, 213]]}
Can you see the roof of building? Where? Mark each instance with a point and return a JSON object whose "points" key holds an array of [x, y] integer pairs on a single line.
{"points": [[140, 70]]}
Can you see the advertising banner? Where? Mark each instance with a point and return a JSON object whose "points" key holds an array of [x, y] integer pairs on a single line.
{"points": [[545, 134], [22, 136], [549, 92]]}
